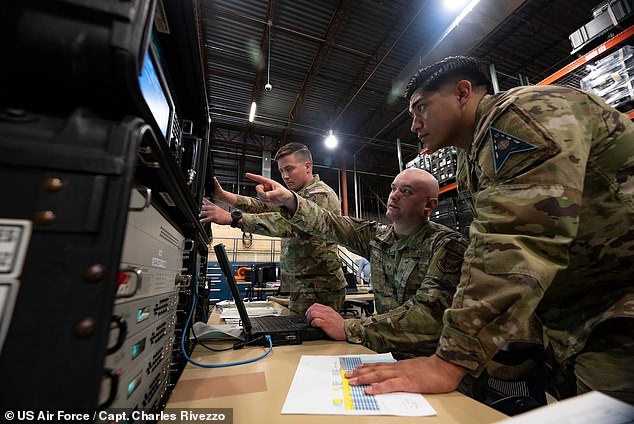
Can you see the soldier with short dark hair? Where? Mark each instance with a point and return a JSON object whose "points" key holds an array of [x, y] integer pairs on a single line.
{"points": [[551, 172], [310, 267]]}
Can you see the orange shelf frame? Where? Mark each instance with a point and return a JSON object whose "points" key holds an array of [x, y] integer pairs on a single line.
{"points": [[591, 55], [447, 188]]}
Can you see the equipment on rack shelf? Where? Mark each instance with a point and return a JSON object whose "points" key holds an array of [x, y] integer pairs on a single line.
{"points": [[612, 78], [606, 17], [451, 210], [146, 300], [71, 178], [88, 115]]}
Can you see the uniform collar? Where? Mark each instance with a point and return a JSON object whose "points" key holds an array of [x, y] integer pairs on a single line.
{"points": [[411, 240], [312, 182], [489, 108]]}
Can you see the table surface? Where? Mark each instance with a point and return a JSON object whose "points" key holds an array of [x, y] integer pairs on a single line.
{"points": [[256, 391]]}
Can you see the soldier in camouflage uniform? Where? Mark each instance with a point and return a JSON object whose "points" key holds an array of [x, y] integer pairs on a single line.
{"points": [[551, 171], [416, 268], [309, 266]]}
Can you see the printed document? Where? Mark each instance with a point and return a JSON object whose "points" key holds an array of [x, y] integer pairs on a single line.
{"points": [[319, 387]]}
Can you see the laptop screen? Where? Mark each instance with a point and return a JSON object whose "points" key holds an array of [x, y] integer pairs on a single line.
{"points": [[223, 261]]}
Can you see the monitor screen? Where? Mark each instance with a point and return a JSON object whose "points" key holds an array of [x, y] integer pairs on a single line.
{"points": [[265, 273], [156, 94]]}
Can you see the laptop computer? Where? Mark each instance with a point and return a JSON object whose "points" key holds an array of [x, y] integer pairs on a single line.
{"points": [[283, 330]]}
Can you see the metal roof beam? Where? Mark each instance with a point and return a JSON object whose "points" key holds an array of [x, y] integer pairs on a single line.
{"points": [[336, 22], [264, 47]]}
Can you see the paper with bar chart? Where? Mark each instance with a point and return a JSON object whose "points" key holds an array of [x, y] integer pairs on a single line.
{"points": [[319, 387]]}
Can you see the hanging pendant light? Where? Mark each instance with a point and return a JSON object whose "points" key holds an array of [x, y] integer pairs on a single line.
{"points": [[268, 86]]}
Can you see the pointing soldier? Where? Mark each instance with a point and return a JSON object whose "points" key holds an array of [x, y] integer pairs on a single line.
{"points": [[415, 265], [309, 266]]}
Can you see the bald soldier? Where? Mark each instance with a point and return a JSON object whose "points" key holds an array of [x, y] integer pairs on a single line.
{"points": [[415, 264], [310, 267], [551, 172]]}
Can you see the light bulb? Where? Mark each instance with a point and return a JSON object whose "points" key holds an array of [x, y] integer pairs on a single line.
{"points": [[331, 141]]}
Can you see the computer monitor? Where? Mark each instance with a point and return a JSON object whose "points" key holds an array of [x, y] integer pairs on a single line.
{"points": [[265, 273], [156, 93]]}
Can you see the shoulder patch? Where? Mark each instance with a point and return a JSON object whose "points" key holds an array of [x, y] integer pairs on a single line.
{"points": [[451, 262], [317, 191], [504, 145]]}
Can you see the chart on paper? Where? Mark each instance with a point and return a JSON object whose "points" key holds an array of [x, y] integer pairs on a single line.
{"points": [[353, 397], [320, 387]]}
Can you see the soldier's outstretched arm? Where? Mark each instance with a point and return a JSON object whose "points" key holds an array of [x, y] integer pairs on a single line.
{"points": [[270, 191], [223, 195]]}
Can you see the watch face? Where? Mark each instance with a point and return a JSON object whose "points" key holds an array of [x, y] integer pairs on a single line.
{"points": [[236, 216]]}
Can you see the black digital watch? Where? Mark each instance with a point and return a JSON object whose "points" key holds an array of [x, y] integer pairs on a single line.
{"points": [[236, 216]]}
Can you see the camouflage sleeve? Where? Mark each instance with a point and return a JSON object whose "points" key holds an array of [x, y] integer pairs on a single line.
{"points": [[266, 220], [415, 326], [261, 218], [253, 205], [527, 215], [353, 233], [271, 224], [355, 330]]}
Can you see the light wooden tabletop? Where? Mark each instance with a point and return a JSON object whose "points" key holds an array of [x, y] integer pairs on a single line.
{"points": [[256, 392]]}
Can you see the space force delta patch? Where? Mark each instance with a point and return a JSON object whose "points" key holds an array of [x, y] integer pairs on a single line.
{"points": [[504, 145]]}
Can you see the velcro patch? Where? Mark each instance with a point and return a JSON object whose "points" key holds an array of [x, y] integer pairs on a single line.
{"points": [[450, 263], [504, 145]]}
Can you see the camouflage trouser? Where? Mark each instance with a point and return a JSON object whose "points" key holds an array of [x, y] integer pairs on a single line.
{"points": [[605, 364], [305, 295]]}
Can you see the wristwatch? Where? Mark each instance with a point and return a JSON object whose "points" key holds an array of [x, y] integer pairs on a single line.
{"points": [[236, 216]]}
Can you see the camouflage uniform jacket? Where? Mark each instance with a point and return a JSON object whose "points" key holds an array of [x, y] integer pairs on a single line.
{"points": [[302, 255], [413, 277], [551, 172]]}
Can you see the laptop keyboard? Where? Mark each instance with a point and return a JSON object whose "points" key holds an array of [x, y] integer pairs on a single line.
{"points": [[275, 323]]}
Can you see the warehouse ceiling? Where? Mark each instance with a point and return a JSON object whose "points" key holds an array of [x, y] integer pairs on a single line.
{"points": [[341, 65]]}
